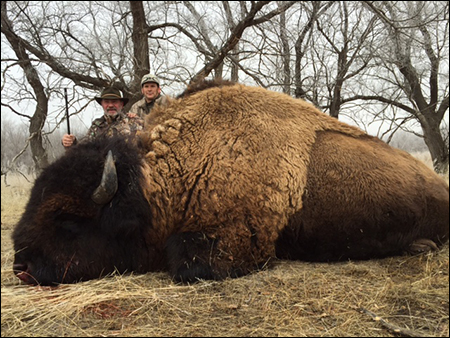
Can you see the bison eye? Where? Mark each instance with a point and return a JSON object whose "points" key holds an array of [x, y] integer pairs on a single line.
{"points": [[70, 226], [70, 223]]}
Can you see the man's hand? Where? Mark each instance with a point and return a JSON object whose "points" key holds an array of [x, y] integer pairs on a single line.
{"points": [[68, 140]]}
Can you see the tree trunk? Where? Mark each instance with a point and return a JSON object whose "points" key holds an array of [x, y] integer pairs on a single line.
{"points": [[437, 147], [141, 62], [38, 152]]}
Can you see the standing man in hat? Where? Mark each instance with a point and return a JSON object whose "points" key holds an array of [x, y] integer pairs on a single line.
{"points": [[151, 89], [113, 122]]}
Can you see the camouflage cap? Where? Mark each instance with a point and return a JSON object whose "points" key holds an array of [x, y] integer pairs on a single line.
{"points": [[150, 78]]}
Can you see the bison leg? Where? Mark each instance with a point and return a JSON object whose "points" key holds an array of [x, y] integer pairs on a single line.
{"points": [[422, 245], [193, 256], [182, 254]]}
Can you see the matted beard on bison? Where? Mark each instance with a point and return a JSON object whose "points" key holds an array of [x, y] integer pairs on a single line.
{"points": [[74, 228]]}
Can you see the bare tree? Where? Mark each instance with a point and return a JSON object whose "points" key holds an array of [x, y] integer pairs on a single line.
{"points": [[250, 19], [14, 140], [346, 42], [64, 52], [349, 58], [234, 56], [417, 36], [140, 45], [301, 45], [344, 59], [90, 45], [37, 120]]}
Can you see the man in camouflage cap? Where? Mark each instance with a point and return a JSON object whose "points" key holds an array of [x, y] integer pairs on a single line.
{"points": [[151, 89], [113, 122]]}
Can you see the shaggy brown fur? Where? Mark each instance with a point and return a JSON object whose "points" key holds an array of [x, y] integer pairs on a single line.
{"points": [[242, 163]]}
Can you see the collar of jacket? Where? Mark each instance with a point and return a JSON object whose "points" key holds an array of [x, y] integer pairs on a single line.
{"points": [[109, 119]]}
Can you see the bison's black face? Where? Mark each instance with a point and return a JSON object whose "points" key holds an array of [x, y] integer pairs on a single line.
{"points": [[75, 228], [75, 249]]}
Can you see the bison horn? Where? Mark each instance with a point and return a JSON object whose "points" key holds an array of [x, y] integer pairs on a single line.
{"points": [[108, 186]]}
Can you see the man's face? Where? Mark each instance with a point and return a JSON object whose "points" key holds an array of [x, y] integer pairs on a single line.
{"points": [[150, 90], [112, 107]]}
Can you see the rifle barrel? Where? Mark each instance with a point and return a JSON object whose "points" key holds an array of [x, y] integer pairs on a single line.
{"points": [[67, 111]]}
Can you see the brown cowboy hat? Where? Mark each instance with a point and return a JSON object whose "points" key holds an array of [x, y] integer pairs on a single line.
{"points": [[111, 94]]}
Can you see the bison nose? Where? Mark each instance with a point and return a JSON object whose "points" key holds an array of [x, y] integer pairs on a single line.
{"points": [[19, 267], [21, 271]]}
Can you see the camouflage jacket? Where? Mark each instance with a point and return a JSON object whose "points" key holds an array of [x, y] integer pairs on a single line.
{"points": [[122, 125], [141, 108]]}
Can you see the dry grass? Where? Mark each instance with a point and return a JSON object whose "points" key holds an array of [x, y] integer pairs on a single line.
{"points": [[290, 299]]}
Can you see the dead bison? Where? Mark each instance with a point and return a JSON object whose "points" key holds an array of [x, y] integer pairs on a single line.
{"points": [[223, 180]]}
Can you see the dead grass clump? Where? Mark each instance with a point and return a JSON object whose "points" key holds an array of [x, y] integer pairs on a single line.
{"points": [[407, 296], [290, 299]]}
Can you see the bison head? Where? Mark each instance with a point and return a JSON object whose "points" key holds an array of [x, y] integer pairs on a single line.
{"points": [[85, 217]]}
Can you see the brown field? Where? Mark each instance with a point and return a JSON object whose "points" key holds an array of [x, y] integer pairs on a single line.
{"points": [[400, 296]]}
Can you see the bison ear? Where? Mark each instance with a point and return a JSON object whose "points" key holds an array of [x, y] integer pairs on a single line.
{"points": [[108, 186]]}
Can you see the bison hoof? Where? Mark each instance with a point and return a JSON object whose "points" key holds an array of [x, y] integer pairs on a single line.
{"points": [[184, 253], [421, 246]]}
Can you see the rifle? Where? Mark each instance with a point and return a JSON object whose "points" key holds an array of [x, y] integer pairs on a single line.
{"points": [[67, 111]]}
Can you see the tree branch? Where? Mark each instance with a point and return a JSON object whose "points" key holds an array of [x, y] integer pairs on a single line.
{"points": [[380, 99]]}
